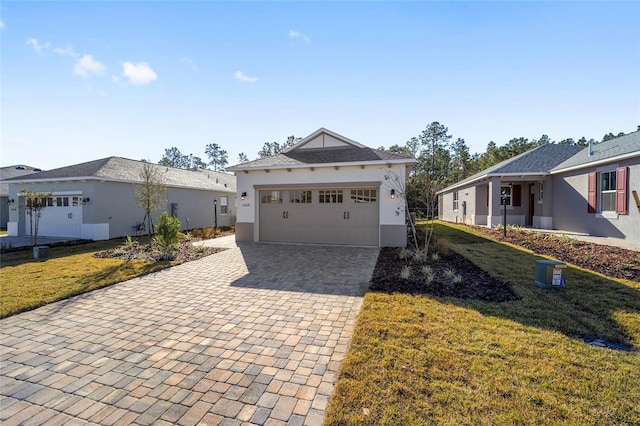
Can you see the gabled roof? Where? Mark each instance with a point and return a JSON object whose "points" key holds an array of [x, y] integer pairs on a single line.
{"points": [[13, 171], [627, 146], [314, 151], [119, 169], [536, 162]]}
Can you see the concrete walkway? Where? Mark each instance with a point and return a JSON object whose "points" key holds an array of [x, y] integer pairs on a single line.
{"points": [[251, 335]]}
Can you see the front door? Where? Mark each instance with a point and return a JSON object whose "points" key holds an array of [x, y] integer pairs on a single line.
{"points": [[531, 206]]}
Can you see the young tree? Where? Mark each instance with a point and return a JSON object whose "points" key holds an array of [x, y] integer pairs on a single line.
{"points": [[35, 202], [218, 157], [242, 158], [174, 158], [151, 193]]}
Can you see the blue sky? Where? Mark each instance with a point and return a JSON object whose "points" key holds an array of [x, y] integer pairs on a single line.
{"points": [[85, 80]]}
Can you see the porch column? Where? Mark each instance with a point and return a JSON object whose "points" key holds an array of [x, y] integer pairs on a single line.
{"points": [[494, 213]]}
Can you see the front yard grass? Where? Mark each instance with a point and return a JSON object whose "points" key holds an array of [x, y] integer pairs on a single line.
{"points": [[27, 283], [418, 359]]}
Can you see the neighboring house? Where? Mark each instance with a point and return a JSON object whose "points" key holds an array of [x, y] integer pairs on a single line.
{"points": [[571, 188], [96, 200], [7, 173], [326, 189]]}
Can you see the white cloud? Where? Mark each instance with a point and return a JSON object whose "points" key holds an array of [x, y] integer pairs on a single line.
{"points": [[138, 73], [296, 35], [35, 45], [1, 24], [240, 76], [67, 51], [87, 66]]}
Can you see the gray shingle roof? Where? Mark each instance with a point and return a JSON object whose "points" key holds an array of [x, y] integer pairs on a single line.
{"points": [[124, 169], [622, 145], [536, 161], [304, 157], [13, 171]]}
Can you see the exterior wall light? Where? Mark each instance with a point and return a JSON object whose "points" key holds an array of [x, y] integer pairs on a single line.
{"points": [[86, 200], [393, 194], [243, 195], [11, 201]]}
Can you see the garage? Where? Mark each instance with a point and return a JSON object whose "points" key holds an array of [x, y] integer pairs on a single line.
{"points": [[325, 189], [61, 218], [320, 216]]}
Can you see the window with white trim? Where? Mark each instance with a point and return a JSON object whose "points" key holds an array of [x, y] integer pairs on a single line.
{"points": [[455, 201], [541, 194], [607, 191], [224, 204], [330, 196]]}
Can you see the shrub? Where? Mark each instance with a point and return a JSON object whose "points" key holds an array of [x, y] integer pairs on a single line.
{"points": [[405, 273], [197, 233], [404, 253], [129, 243], [225, 228], [167, 230], [207, 232]]}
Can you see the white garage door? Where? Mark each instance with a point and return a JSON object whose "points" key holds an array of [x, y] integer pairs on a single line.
{"points": [[61, 218], [324, 216]]}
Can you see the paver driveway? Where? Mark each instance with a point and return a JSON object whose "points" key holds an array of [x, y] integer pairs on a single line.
{"points": [[254, 334]]}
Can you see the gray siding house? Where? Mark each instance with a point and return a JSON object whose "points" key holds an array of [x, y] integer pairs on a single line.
{"points": [[96, 200], [591, 189], [8, 173]]}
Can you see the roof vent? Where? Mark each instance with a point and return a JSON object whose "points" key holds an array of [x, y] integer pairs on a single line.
{"points": [[590, 147], [225, 185], [37, 170], [216, 180], [21, 168]]}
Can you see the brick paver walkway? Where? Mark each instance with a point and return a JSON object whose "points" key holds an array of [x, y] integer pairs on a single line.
{"points": [[251, 335]]}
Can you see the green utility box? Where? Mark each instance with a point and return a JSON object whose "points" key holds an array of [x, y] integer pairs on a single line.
{"points": [[549, 274]]}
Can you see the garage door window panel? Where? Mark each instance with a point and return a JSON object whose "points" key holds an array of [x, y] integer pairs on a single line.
{"points": [[364, 195], [271, 197], [330, 196], [300, 197]]}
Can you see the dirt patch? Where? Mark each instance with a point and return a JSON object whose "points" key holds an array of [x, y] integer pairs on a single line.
{"points": [[449, 276], [613, 262]]}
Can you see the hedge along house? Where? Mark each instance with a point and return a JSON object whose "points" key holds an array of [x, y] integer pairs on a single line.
{"points": [[572, 188], [96, 200], [326, 189]]}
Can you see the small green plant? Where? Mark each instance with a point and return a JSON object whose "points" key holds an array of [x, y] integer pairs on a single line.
{"points": [[451, 275], [420, 255], [129, 243], [498, 227], [624, 266], [225, 228], [435, 257], [200, 249], [166, 237], [426, 270], [187, 236], [404, 253], [405, 273]]}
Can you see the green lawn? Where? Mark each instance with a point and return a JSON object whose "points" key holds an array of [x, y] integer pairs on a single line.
{"points": [[27, 283], [425, 360]]}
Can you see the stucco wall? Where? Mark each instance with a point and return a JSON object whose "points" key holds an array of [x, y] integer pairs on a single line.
{"points": [[570, 204]]}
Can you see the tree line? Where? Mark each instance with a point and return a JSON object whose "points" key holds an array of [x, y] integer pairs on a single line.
{"points": [[217, 157], [433, 147], [443, 161]]}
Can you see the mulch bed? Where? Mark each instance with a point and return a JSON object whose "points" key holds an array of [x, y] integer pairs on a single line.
{"points": [[185, 253], [475, 284], [613, 262]]}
